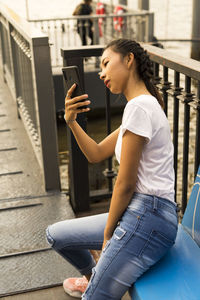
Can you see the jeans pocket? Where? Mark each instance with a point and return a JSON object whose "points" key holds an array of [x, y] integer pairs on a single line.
{"points": [[156, 246]]}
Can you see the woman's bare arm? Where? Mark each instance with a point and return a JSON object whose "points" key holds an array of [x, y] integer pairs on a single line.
{"points": [[94, 152], [132, 146]]}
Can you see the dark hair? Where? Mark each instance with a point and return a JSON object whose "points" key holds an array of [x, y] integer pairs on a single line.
{"points": [[143, 63]]}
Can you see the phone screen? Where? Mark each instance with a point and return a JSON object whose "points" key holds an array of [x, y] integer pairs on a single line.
{"points": [[71, 76]]}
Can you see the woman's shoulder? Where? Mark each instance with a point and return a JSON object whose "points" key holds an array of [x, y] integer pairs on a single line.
{"points": [[145, 102], [145, 105]]}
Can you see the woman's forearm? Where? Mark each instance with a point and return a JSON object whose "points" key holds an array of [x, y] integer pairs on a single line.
{"points": [[121, 197], [87, 145], [94, 152]]}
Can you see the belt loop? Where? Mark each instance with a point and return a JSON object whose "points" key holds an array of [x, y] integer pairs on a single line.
{"points": [[155, 203]]}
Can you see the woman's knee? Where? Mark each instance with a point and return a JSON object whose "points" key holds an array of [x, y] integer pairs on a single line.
{"points": [[58, 234], [49, 237], [54, 234]]}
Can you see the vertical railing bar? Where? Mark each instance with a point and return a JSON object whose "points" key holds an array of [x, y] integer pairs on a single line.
{"points": [[56, 41], [86, 30], [176, 124], [156, 73], [9, 50], [29, 90], [21, 71], [15, 66], [31, 93], [164, 88], [26, 95], [18, 68], [108, 124], [186, 143], [61, 32], [108, 119], [197, 142]]}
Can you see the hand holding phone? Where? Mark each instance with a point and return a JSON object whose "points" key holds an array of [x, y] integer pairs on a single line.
{"points": [[71, 75], [75, 95]]}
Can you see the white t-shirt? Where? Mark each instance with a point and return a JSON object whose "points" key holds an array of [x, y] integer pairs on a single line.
{"points": [[144, 116]]}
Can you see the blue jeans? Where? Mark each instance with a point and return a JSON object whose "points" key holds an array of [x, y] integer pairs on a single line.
{"points": [[145, 232]]}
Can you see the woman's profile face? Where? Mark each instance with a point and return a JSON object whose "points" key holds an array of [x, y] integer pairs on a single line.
{"points": [[114, 71]]}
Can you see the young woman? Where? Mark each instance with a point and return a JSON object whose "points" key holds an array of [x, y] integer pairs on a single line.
{"points": [[142, 222]]}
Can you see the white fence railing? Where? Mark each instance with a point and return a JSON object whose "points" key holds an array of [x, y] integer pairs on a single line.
{"points": [[63, 33]]}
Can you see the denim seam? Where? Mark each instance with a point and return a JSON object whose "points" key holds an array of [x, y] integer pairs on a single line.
{"points": [[146, 244], [164, 237]]}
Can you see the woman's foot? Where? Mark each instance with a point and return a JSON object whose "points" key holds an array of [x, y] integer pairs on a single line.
{"points": [[75, 287]]}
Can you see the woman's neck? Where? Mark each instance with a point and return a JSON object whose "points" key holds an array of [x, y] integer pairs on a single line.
{"points": [[135, 88]]}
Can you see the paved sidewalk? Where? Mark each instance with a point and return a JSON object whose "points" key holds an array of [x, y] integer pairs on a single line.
{"points": [[20, 174]]}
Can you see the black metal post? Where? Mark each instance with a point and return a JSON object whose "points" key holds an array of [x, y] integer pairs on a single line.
{"points": [[197, 143], [109, 173], [187, 99], [195, 49], [156, 73], [165, 87], [177, 91], [78, 165], [143, 4], [123, 2]]}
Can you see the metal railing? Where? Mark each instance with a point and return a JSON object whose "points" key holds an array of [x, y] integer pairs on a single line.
{"points": [[180, 85], [27, 70], [179, 81], [63, 33]]}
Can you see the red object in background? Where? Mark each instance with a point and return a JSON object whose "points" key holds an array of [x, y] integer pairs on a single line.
{"points": [[118, 21], [100, 10]]}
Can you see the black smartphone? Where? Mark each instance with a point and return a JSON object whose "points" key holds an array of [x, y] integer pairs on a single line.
{"points": [[71, 75]]}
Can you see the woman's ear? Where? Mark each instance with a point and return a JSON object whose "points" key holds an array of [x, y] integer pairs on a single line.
{"points": [[130, 59]]}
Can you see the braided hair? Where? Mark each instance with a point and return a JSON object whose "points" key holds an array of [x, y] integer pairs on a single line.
{"points": [[143, 63]]}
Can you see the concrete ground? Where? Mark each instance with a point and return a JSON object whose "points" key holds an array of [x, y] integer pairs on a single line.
{"points": [[56, 293]]}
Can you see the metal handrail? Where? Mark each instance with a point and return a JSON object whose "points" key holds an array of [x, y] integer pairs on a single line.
{"points": [[184, 65], [27, 70]]}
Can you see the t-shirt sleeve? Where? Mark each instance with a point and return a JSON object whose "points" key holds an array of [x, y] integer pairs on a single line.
{"points": [[138, 121]]}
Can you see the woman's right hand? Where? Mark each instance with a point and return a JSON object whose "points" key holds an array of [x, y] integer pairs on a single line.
{"points": [[73, 106]]}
